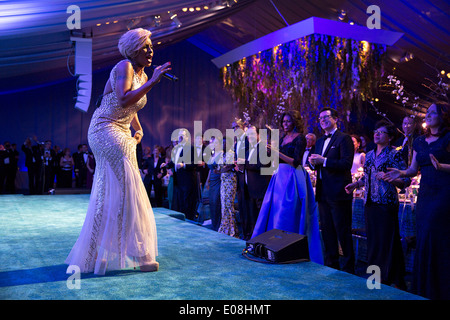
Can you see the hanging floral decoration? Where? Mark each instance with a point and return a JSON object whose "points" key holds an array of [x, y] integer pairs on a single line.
{"points": [[305, 74]]}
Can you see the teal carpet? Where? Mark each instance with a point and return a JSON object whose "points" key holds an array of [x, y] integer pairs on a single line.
{"points": [[37, 233]]}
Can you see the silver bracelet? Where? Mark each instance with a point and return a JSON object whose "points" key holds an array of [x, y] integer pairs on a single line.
{"points": [[140, 132]]}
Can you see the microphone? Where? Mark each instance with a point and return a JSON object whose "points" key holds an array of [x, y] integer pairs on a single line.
{"points": [[167, 75]]}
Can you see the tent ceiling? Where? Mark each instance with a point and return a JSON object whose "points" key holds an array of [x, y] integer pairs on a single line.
{"points": [[35, 41]]}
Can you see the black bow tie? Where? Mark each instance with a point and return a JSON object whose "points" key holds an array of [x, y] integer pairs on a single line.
{"points": [[328, 136]]}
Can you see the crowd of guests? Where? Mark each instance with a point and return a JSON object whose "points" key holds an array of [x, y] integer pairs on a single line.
{"points": [[48, 167], [244, 203], [286, 201]]}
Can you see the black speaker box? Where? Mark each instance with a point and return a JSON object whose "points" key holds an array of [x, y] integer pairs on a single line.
{"points": [[278, 246]]}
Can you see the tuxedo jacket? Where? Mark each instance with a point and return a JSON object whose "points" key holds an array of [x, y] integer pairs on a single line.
{"points": [[185, 177], [243, 148], [152, 170], [257, 183], [310, 152], [202, 170], [31, 153], [79, 163], [332, 179]]}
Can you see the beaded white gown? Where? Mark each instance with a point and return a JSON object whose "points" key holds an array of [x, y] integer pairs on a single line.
{"points": [[119, 230]]}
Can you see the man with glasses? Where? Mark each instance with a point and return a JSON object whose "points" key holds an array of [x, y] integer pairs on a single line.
{"points": [[333, 159]]}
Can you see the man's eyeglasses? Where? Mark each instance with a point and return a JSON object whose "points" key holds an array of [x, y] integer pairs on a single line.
{"points": [[324, 117], [379, 132]]}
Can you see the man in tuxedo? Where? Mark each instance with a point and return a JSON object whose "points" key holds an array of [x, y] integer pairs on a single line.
{"points": [[254, 183], [240, 150], [33, 163], [49, 165], [154, 174], [185, 193], [333, 161], [310, 147], [80, 159], [202, 168]]}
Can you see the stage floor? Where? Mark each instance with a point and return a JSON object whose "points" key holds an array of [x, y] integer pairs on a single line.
{"points": [[196, 263]]}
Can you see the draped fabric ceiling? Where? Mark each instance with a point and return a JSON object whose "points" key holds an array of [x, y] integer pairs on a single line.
{"points": [[35, 40]]}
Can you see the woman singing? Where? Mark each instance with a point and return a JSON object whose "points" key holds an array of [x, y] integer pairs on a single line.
{"points": [[119, 230]]}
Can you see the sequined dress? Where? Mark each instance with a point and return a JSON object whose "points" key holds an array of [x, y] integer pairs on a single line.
{"points": [[119, 230]]}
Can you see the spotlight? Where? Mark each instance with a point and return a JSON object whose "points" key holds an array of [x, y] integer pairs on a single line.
{"points": [[157, 20], [342, 15], [174, 18], [407, 57]]}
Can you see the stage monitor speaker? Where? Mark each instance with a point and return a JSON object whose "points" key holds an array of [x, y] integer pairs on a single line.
{"points": [[278, 246], [83, 69]]}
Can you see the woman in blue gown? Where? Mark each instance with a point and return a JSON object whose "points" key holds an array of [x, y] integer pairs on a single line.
{"points": [[289, 202], [431, 276]]}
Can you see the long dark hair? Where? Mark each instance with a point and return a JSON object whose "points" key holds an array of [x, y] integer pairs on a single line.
{"points": [[443, 111]]}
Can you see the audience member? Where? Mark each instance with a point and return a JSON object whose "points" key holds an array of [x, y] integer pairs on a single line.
{"points": [[48, 160], [405, 142], [431, 156], [366, 143], [240, 150], [333, 160], [359, 156], [202, 168], [32, 161], [11, 161], [228, 186], [66, 164], [214, 183], [254, 184], [185, 195], [90, 166], [154, 174], [310, 147], [289, 202], [80, 159], [381, 206], [170, 183], [58, 155]]}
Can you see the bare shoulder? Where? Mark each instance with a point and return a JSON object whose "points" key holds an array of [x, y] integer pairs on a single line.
{"points": [[124, 69]]}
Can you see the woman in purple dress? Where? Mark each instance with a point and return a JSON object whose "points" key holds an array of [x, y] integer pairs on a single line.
{"points": [[289, 203]]}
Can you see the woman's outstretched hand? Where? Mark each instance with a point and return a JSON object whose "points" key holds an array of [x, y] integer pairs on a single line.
{"points": [[392, 174]]}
